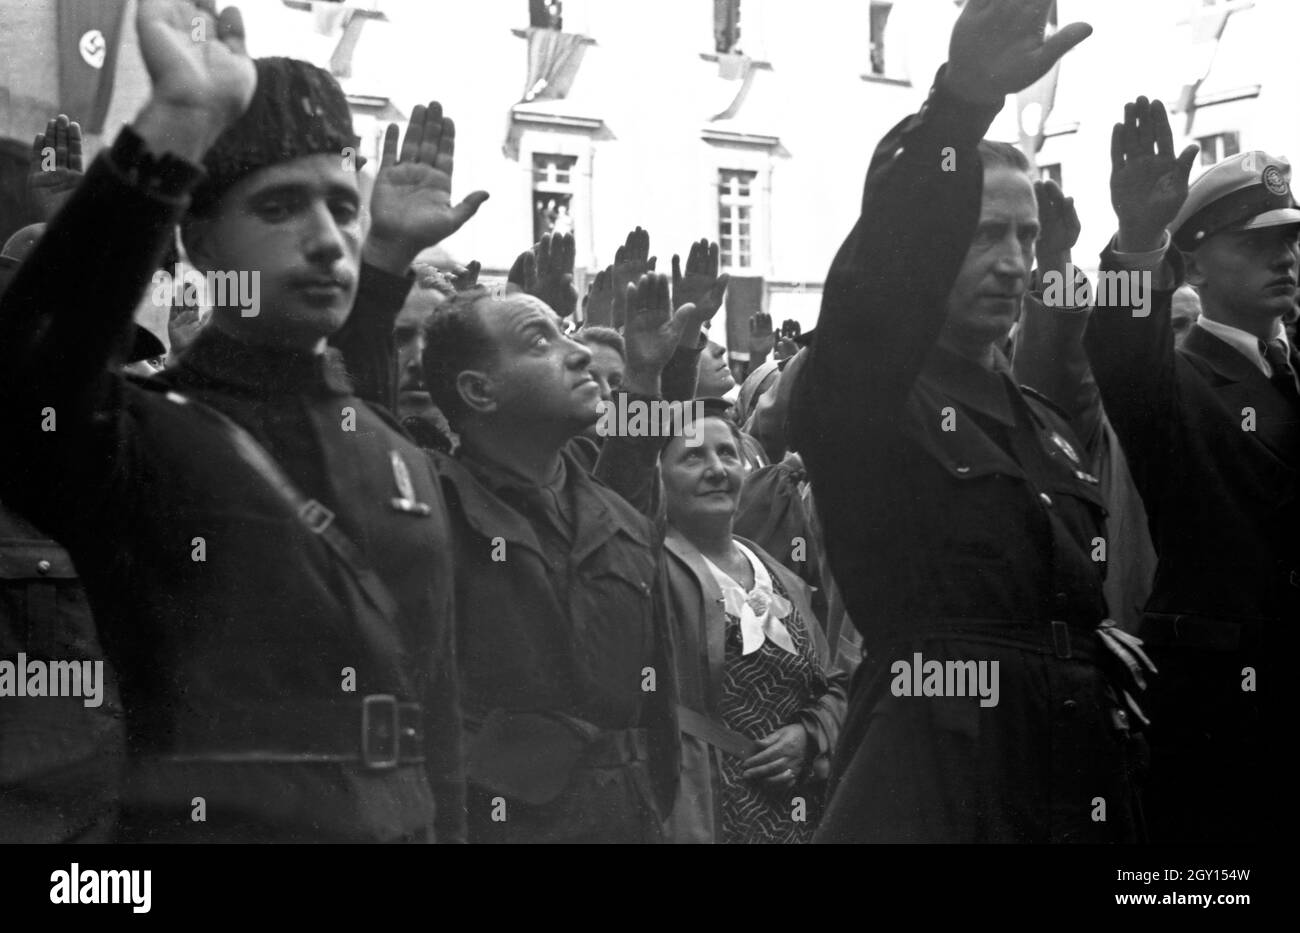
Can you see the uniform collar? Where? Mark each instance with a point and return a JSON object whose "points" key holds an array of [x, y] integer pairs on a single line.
{"points": [[963, 380], [1248, 345], [218, 359]]}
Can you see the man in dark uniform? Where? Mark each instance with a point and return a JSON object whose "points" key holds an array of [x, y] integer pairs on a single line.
{"points": [[568, 691], [1212, 432], [267, 557], [957, 517]]}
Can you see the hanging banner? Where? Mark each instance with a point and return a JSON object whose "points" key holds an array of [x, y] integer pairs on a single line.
{"points": [[90, 32]]}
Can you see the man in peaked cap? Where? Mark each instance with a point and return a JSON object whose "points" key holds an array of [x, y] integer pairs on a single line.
{"points": [[1212, 433], [267, 556]]}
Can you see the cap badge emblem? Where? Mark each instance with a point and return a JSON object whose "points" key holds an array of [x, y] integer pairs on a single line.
{"points": [[1275, 181]]}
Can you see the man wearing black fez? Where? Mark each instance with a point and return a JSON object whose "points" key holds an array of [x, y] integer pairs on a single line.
{"points": [[266, 555], [1212, 433]]}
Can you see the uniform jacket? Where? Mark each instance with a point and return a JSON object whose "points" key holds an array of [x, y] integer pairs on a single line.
{"points": [[699, 627], [60, 760], [958, 520], [231, 627], [1221, 498], [1215, 452], [528, 645]]}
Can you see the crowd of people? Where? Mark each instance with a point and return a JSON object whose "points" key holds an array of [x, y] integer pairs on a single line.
{"points": [[979, 559]]}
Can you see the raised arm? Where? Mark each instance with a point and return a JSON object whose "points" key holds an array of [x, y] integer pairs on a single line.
{"points": [[410, 210], [57, 403], [1130, 344]]}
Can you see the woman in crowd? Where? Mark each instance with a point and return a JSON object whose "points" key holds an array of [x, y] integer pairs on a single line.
{"points": [[761, 702]]}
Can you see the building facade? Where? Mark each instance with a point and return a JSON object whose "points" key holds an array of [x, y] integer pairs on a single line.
{"points": [[749, 122]]}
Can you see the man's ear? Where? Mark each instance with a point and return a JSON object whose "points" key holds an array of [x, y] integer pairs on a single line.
{"points": [[1195, 272], [478, 391]]}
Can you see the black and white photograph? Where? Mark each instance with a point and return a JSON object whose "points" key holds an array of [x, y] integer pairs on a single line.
{"points": [[611, 422]]}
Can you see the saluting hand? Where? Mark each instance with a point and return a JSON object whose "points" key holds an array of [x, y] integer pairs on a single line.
{"points": [[599, 303], [410, 207], [202, 77], [51, 185], [1058, 223], [1148, 185], [998, 48], [652, 330], [631, 261], [700, 285]]}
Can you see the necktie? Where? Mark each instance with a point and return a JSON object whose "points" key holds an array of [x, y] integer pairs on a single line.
{"points": [[1275, 352]]}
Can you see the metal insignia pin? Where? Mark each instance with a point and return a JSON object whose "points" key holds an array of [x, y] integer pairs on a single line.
{"points": [[402, 477], [1065, 446]]}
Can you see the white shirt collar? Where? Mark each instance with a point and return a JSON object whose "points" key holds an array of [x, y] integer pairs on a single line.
{"points": [[1248, 345]]}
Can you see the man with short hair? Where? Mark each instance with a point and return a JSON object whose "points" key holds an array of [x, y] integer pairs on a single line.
{"points": [[568, 693], [268, 557], [957, 518], [1212, 433]]}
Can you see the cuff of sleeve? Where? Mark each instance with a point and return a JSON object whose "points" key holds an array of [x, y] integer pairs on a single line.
{"points": [[1165, 263], [169, 178], [970, 120], [1145, 262], [386, 290]]}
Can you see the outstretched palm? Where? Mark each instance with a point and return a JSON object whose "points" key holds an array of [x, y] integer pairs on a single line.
{"points": [[195, 59], [411, 201], [999, 47], [1148, 184]]}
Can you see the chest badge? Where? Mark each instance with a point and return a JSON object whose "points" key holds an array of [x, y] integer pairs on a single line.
{"points": [[1065, 447], [405, 500]]}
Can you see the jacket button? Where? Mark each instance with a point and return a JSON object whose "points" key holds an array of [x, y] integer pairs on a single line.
{"points": [[1069, 706], [43, 566], [962, 468], [1047, 500], [1062, 601]]}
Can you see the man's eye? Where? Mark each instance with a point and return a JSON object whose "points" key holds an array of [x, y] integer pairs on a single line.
{"points": [[541, 340], [273, 211], [615, 382], [344, 211]]}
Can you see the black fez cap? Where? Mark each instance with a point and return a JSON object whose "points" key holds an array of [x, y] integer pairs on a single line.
{"points": [[297, 110]]}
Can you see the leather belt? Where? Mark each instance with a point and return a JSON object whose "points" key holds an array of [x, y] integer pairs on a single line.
{"points": [[380, 732], [1061, 639], [707, 730]]}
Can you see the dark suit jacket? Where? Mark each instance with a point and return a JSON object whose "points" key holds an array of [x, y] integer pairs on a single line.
{"points": [[1215, 452]]}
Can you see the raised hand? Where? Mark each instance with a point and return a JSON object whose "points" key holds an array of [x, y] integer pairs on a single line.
{"points": [[184, 323], [410, 207], [701, 285], [1058, 223], [599, 303], [466, 278], [1148, 184], [552, 273], [631, 261], [998, 48], [201, 74], [652, 330], [761, 338], [55, 168]]}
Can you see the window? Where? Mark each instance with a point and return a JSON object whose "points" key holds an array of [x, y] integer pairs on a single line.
{"points": [[1050, 172], [879, 15], [726, 27], [1218, 147], [545, 14], [735, 218], [553, 187]]}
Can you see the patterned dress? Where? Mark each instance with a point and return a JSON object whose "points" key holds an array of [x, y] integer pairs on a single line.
{"points": [[761, 692]]}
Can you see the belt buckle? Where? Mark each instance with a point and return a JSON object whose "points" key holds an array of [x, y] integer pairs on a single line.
{"points": [[316, 516], [378, 710]]}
